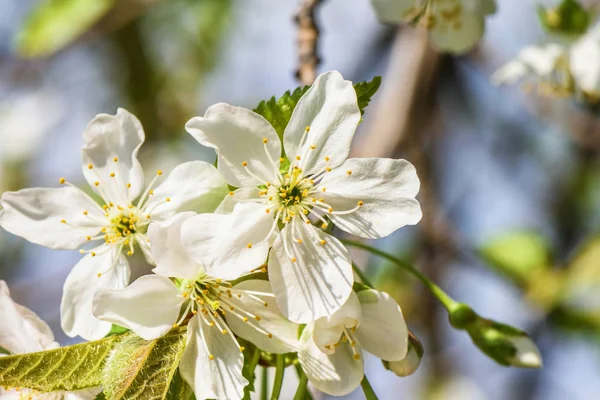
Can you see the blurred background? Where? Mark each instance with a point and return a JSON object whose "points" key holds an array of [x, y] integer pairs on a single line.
{"points": [[510, 180]]}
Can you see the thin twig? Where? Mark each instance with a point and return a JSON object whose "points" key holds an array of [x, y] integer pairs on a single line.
{"points": [[308, 41]]}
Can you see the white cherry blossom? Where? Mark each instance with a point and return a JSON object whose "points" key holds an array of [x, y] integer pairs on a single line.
{"points": [[22, 331], [68, 218], [454, 26], [331, 347], [278, 201], [217, 311]]}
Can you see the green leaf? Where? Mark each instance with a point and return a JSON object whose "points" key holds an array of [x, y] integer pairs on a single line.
{"points": [[143, 369], [66, 368], [179, 389], [251, 359], [56, 23], [279, 111], [568, 18], [517, 254]]}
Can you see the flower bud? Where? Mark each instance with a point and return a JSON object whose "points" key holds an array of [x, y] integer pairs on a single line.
{"points": [[567, 17], [411, 362], [505, 344]]}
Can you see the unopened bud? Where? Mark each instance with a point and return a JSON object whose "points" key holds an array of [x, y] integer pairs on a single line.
{"points": [[411, 362], [505, 344]]}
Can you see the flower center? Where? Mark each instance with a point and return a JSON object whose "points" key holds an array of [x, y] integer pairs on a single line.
{"points": [[348, 338]]}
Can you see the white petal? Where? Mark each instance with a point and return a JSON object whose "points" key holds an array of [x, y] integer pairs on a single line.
{"points": [[241, 194], [285, 333], [237, 135], [79, 289], [337, 374], [320, 280], [107, 137], [393, 11], [192, 186], [383, 331], [330, 109], [408, 365], [528, 355], [172, 259], [21, 331], [584, 60], [387, 189], [149, 306], [328, 330], [35, 214], [219, 379], [143, 242], [229, 245], [456, 35]]}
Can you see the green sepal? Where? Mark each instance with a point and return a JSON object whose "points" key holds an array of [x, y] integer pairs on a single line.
{"points": [[117, 330], [143, 369], [56, 23], [4, 351], [359, 287], [569, 18], [67, 368]]}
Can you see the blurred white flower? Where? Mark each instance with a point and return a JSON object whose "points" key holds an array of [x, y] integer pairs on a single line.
{"points": [[67, 218], [310, 270], [22, 331], [409, 364], [331, 347], [557, 69], [454, 26], [24, 121], [212, 360]]}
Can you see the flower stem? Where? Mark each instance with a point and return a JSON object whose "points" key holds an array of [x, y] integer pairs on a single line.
{"points": [[449, 303], [301, 392], [279, 371], [361, 274], [367, 389], [264, 387]]}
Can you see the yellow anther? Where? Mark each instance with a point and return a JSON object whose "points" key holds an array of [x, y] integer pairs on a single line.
{"points": [[328, 347], [357, 356], [90, 166], [242, 348], [168, 199], [323, 190], [62, 221], [85, 213], [270, 335], [112, 174], [330, 209], [159, 172], [231, 193], [147, 216], [96, 183], [307, 222], [249, 245], [99, 275], [62, 181], [265, 140], [321, 200], [257, 317], [281, 159], [266, 304], [151, 193], [268, 210], [128, 185], [360, 203], [211, 357], [224, 331], [263, 270], [211, 323], [313, 146], [323, 242], [116, 159], [93, 254], [245, 319], [324, 225], [327, 158], [307, 128], [130, 253], [194, 312], [177, 326], [297, 158], [293, 259], [244, 163], [185, 294], [88, 237], [349, 172], [81, 251], [299, 241]]}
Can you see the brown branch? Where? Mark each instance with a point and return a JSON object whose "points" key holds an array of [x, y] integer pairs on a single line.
{"points": [[308, 41]]}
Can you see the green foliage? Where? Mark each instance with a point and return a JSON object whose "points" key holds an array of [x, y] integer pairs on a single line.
{"points": [[517, 254], [279, 111], [66, 368], [55, 23], [569, 18], [179, 389], [251, 359], [144, 369]]}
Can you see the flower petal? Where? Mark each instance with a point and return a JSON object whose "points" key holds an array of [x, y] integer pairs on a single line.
{"points": [[172, 259], [149, 306], [108, 138], [284, 333], [36, 215], [192, 186], [328, 330], [320, 279], [383, 331], [229, 245], [237, 134], [386, 188], [220, 378], [393, 11], [241, 194], [337, 374], [21, 331], [330, 109], [79, 289], [456, 35]]}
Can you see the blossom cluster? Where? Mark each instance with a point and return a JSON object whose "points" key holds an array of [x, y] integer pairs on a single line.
{"points": [[240, 252]]}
